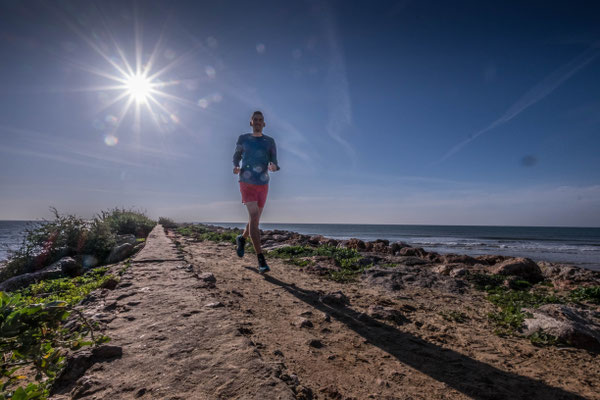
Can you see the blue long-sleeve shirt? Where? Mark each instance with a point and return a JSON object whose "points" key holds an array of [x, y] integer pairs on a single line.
{"points": [[255, 152]]}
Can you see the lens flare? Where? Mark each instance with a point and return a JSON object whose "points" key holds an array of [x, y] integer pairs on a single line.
{"points": [[111, 140], [139, 87]]}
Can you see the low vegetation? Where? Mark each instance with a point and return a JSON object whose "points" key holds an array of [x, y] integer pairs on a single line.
{"points": [[168, 223], [346, 259], [512, 296], [69, 235], [33, 338]]}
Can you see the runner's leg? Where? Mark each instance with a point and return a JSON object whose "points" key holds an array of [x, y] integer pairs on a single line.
{"points": [[254, 213]]}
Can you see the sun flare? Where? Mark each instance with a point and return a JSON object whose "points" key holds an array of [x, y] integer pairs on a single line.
{"points": [[139, 87]]}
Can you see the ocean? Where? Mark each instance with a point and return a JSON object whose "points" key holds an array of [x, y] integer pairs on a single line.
{"points": [[577, 246]]}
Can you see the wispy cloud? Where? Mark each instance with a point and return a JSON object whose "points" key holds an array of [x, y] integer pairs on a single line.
{"points": [[534, 95], [340, 108]]}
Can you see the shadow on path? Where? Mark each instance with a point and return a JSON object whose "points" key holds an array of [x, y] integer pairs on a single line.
{"points": [[474, 378]]}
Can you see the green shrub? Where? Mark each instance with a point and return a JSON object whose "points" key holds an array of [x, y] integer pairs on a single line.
{"points": [[167, 223], [123, 221], [69, 235]]}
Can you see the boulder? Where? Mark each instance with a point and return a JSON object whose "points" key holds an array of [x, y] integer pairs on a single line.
{"points": [[397, 246], [69, 266], [119, 252], [459, 259], [356, 244], [128, 238], [568, 276], [413, 252], [521, 267], [54, 270], [315, 240], [568, 324]]}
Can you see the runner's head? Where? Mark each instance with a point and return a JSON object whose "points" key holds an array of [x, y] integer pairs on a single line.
{"points": [[257, 122]]}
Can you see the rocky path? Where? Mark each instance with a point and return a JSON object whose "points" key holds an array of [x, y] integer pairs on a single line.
{"points": [[203, 324]]}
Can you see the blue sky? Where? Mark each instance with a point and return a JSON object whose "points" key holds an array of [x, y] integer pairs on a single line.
{"points": [[406, 112]]}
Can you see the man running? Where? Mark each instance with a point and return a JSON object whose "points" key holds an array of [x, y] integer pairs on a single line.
{"points": [[258, 155]]}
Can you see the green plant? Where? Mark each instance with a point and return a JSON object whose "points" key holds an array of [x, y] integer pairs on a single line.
{"points": [[541, 338], [167, 223], [122, 221], [590, 294], [31, 331]]}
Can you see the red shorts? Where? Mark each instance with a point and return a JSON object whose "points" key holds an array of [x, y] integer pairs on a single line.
{"points": [[256, 193]]}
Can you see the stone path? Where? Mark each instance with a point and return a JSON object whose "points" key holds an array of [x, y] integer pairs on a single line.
{"points": [[177, 341]]}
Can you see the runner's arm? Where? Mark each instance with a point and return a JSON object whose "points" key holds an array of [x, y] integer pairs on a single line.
{"points": [[273, 156]]}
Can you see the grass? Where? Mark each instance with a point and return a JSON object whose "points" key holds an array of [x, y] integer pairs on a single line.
{"points": [[346, 259]]}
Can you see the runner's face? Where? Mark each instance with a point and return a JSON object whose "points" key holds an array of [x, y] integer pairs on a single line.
{"points": [[257, 122]]}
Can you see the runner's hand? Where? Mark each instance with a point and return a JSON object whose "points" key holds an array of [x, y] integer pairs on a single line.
{"points": [[273, 167], [236, 170]]}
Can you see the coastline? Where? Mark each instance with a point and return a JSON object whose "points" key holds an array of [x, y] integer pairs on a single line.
{"points": [[572, 246]]}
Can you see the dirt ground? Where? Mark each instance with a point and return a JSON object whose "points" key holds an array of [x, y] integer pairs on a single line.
{"points": [[275, 336]]}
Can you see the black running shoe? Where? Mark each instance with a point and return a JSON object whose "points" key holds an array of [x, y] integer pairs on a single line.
{"points": [[240, 241], [262, 264]]}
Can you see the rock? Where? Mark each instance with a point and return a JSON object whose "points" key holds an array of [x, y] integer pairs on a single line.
{"points": [[329, 242], [316, 343], [443, 269], [569, 276], [316, 239], [69, 266], [207, 277], [110, 284], [398, 277], [216, 304], [50, 272], [127, 238], [207, 280], [458, 272], [304, 323], [303, 393], [106, 352], [459, 259], [119, 252], [387, 314], [491, 259], [521, 267], [369, 260], [397, 246], [336, 299], [570, 325], [412, 251], [356, 244]]}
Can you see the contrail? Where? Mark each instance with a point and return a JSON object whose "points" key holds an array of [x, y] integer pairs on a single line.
{"points": [[535, 94]]}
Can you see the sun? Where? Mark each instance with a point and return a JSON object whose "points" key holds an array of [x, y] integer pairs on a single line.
{"points": [[139, 87]]}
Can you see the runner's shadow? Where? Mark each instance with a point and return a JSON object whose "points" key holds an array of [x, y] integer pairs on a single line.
{"points": [[475, 379]]}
